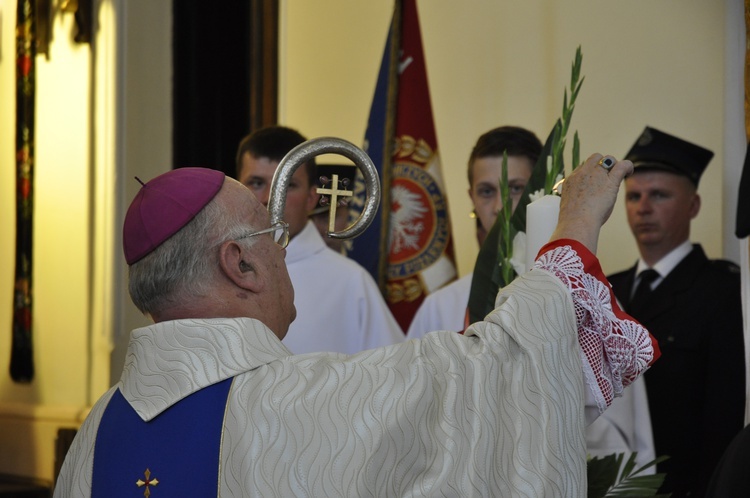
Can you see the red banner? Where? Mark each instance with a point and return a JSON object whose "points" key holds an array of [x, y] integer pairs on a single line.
{"points": [[418, 257]]}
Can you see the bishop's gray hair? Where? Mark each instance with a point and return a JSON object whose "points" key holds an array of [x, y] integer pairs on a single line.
{"points": [[185, 265]]}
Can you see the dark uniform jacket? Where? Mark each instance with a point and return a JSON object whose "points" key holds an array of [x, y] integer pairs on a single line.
{"points": [[696, 390], [731, 477]]}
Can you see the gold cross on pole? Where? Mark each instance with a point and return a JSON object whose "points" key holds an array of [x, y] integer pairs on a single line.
{"points": [[335, 193], [148, 482]]}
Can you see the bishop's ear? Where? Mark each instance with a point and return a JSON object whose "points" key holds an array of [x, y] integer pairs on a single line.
{"points": [[239, 265]]}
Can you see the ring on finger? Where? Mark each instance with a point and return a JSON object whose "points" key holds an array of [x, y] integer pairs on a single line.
{"points": [[607, 162]]}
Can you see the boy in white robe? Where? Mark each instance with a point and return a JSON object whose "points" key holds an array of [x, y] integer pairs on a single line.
{"points": [[349, 315]]}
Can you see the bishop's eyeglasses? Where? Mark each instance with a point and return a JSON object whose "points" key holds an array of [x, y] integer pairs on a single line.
{"points": [[279, 231]]}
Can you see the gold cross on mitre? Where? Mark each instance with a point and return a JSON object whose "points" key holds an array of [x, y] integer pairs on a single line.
{"points": [[335, 193], [148, 482]]}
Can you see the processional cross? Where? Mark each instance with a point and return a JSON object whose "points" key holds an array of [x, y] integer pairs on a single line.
{"points": [[328, 145], [335, 193]]}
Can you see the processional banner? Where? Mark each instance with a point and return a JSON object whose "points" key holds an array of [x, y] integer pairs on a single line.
{"points": [[408, 248], [21, 360]]}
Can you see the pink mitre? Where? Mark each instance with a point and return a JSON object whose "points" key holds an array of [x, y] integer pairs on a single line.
{"points": [[164, 205]]}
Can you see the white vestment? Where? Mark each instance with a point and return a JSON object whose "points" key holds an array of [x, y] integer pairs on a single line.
{"points": [[497, 411], [624, 428], [339, 306]]}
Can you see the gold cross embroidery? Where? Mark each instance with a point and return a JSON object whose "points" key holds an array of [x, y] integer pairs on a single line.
{"points": [[148, 482], [334, 192]]}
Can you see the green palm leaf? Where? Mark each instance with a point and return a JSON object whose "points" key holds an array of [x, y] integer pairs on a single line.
{"points": [[605, 479]]}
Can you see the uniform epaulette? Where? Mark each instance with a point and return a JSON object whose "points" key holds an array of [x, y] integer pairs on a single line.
{"points": [[725, 265]]}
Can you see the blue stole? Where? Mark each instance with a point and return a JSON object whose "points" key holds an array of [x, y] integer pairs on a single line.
{"points": [[175, 454]]}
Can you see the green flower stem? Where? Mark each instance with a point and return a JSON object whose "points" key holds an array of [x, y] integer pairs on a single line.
{"points": [[493, 269], [506, 244]]}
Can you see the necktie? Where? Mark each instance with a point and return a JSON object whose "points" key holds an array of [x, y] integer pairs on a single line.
{"points": [[642, 292]]}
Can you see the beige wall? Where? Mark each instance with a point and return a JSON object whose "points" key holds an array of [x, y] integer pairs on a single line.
{"points": [[61, 214], [489, 63], [493, 63], [90, 142], [30, 412]]}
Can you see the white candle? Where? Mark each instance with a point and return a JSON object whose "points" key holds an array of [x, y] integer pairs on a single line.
{"points": [[541, 220]]}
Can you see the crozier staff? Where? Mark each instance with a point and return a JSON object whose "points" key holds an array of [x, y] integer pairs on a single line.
{"points": [[211, 403]]}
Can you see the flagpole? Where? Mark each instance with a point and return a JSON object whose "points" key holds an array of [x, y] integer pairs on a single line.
{"points": [[388, 143]]}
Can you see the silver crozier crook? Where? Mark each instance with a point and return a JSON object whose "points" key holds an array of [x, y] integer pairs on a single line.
{"points": [[315, 147]]}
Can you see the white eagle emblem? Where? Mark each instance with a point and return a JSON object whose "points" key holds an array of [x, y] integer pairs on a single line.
{"points": [[406, 211]]}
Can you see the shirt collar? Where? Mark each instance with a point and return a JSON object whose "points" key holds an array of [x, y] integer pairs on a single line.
{"points": [[306, 242], [666, 264]]}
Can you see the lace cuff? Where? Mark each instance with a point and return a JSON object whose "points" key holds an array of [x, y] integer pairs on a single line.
{"points": [[615, 348]]}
